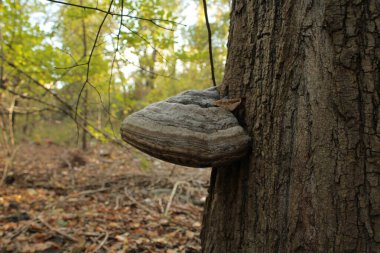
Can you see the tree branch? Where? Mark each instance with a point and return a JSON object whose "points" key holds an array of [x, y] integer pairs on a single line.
{"points": [[209, 43], [89, 61], [35, 81], [146, 41], [67, 108], [151, 20], [70, 113]]}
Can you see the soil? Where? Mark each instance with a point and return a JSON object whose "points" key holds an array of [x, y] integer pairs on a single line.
{"points": [[108, 199]]}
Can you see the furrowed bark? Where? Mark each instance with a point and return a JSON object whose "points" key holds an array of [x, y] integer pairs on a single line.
{"points": [[310, 75]]}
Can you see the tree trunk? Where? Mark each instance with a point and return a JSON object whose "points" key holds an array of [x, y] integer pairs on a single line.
{"points": [[309, 76], [11, 120], [85, 97], [85, 120]]}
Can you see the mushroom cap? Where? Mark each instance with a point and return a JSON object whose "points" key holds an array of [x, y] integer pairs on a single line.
{"points": [[188, 130]]}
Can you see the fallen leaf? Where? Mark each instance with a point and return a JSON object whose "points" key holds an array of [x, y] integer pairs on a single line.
{"points": [[9, 226], [62, 223], [190, 234], [40, 237], [114, 225], [135, 225], [45, 246], [197, 224], [122, 238], [142, 240], [229, 104]]}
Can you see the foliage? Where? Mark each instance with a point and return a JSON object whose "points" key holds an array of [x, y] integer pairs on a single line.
{"points": [[70, 64]]}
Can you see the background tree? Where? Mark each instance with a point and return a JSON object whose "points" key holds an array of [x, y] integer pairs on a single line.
{"points": [[79, 30], [190, 52], [21, 48], [123, 63], [308, 73]]}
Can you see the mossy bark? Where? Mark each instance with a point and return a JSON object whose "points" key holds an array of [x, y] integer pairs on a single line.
{"points": [[309, 76]]}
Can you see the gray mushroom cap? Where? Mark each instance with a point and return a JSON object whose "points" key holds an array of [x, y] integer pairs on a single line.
{"points": [[188, 130]]}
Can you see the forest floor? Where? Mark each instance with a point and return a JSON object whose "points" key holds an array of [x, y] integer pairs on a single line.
{"points": [[107, 199]]}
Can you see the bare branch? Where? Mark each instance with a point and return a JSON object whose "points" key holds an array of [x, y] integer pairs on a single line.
{"points": [[209, 43], [35, 81], [73, 66], [26, 110], [151, 20], [68, 111], [90, 58], [146, 41], [147, 70]]}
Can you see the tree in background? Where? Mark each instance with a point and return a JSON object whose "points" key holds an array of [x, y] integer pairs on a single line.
{"points": [[85, 67], [24, 62], [192, 56], [79, 30]]}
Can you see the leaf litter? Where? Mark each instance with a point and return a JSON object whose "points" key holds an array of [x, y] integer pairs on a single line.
{"points": [[57, 199]]}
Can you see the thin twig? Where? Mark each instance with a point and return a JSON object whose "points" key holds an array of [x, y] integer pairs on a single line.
{"points": [[87, 192], [72, 66], [90, 58], [92, 234], [146, 70], [30, 63], [209, 43], [24, 110], [71, 169], [102, 242], [172, 195], [68, 107], [117, 202], [19, 231], [151, 20], [160, 205], [68, 111], [35, 81], [146, 41], [43, 222], [138, 203]]}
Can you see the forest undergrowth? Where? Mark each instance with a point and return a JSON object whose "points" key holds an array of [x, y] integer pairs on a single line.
{"points": [[108, 199]]}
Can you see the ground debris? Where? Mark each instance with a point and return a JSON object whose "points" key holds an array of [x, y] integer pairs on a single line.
{"points": [[123, 201]]}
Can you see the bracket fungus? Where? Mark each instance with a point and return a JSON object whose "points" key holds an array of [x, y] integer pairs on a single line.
{"points": [[188, 129]]}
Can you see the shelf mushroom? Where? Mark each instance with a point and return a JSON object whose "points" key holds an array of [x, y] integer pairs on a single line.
{"points": [[187, 129]]}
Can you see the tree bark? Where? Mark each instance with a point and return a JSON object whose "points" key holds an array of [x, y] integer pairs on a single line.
{"points": [[85, 119], [85, 97], [309, 76]]}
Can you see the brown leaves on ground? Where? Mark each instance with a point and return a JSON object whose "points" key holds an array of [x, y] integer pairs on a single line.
{"points": [[104, 200]]}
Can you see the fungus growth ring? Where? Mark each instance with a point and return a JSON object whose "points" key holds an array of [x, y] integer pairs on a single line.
{"points": [[188, 129]]}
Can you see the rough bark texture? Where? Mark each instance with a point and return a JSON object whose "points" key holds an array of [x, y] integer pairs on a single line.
{"points": [[309, 75]]}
